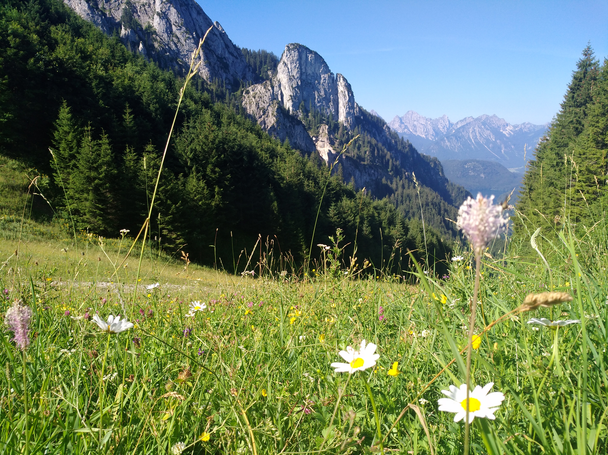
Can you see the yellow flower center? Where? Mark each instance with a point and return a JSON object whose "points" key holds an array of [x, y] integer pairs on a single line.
{"points": [[357, 363], [474, 404]]}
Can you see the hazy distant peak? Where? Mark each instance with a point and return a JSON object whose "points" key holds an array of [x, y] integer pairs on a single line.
{"points": [[487, 137]]}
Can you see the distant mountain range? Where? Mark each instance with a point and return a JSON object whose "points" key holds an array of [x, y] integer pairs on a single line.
{"points": [[487, 137]]}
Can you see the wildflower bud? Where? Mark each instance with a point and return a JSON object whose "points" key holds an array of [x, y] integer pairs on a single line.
{"points": [[18, 320], [545, 300]]}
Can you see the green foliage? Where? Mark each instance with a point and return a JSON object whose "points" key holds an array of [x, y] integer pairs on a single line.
{"points": [[264, 63], [566, 182]]}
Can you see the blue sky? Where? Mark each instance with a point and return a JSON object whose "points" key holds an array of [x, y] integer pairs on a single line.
{"points": [[459, 58]]}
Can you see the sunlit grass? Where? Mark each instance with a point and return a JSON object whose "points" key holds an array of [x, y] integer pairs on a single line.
{"points": [[252, 370]]}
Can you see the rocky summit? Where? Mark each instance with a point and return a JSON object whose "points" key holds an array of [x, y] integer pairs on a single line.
{"points": [[303, 82], [168, 32]]}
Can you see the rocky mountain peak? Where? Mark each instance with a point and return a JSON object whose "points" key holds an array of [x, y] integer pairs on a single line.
{"points": [[304, 80], [168, 32]]}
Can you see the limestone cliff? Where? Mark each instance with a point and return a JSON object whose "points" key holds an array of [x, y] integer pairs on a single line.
{"points": [[168, 32], [302, 81]]}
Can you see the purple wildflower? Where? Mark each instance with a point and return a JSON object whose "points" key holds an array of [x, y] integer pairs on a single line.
{"points": [[187, 332], [67, 313], [18, 319], [381, 317], [200, 351], [481, 221]]}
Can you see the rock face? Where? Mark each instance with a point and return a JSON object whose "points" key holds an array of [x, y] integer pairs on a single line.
{"points": [[483, 138], [303, 82], [168, 32]]}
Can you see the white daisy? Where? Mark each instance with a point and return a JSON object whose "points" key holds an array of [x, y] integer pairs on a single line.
{"points": [[481, 404], [152, 286], [457, 258], [194, 307], [357, 360], [114, 324], [548, 323]]}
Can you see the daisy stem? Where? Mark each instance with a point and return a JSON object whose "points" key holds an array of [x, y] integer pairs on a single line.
{"points": [[378, 430], [103, 367], [331, 421], [554, 358], [467, 425]]}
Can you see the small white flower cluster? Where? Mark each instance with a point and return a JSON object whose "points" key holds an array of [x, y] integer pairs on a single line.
{"points": [[194, 308], [481, 221], [178, 448]]}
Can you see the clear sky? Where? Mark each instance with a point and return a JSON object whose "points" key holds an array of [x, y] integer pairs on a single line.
{"points": [[460, 58]]}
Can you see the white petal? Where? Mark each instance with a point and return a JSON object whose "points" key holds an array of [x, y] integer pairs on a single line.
{"points": [[100, 322], [341, 367], [348, 356]]}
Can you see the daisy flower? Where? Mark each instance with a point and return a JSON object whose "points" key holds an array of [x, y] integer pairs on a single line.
{"points": [[357, 360], [194, 307], [548, 323], [114, 324], [481, 404]]}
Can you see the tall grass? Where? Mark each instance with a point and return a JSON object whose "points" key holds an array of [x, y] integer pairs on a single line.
{"points": [[252, 371]]}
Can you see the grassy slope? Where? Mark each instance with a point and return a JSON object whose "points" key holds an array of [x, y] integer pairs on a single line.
{"points": [[253, 369]]}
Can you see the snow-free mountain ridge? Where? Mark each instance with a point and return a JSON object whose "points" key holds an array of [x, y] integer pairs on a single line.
{"points": [[486, 137]]}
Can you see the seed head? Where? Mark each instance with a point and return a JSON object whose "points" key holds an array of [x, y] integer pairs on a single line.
{"points": [[545, 300]]}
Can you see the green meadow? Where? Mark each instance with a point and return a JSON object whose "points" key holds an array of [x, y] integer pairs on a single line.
{"points": [[251, 372]]}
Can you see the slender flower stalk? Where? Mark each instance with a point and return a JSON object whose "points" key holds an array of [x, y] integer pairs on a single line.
{"points": [[18, 319], [481, 221]]}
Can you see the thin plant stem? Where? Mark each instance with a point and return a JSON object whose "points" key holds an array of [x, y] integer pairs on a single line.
{"points": [[101, 390], [467, 425], [553, 359], [191, 71], [376, 417], [314, 228], [25, 404], [333, 416]]}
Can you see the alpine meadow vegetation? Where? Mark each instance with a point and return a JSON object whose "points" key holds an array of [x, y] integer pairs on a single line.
{"points": [[117, 340]]}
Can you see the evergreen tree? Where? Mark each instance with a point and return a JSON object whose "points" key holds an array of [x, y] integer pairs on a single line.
{"points": [[547, 180]]}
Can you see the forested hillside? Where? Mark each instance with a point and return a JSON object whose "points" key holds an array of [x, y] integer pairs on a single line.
{"points": [[566, 181], [105, 113]]}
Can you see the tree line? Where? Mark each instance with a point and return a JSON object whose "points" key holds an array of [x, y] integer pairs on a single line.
{"points": [[105, 114]]}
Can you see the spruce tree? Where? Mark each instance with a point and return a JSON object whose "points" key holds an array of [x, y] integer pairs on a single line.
{"points": [[543, 198]]}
